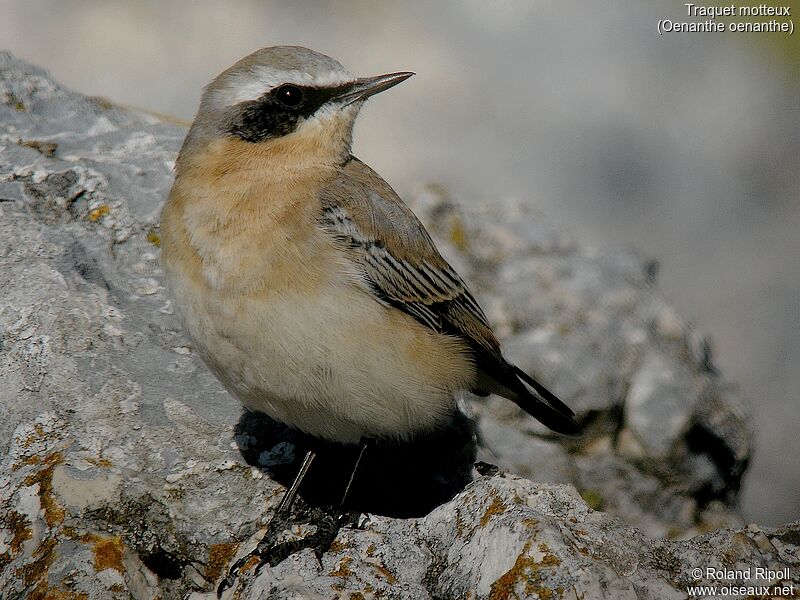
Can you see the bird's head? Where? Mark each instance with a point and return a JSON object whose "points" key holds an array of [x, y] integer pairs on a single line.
{"points": [[286, 101]]}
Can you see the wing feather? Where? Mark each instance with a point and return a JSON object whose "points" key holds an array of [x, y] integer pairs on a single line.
{"points": [[400, 266], [397, 258]]}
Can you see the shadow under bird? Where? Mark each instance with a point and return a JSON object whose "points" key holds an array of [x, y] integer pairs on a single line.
{"points": [[307, 286]]}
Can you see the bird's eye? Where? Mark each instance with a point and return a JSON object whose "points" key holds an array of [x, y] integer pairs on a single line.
{"points": [[289, 95]]}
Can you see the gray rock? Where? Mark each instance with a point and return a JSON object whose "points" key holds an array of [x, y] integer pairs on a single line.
{"points": [[660, 402], [130, 472], [594, 328]]}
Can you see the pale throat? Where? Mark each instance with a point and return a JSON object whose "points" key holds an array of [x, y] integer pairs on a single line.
{"points": [[318, 146]]}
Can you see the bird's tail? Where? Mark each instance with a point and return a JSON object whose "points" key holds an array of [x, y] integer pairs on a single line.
{"points": [[544, 406], [504, 379]]}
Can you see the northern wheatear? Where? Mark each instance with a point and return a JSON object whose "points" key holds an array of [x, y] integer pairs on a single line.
{"points": [[307, 286]]}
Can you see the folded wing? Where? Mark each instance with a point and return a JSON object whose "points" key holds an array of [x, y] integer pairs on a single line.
{"points": [[401, 267]]}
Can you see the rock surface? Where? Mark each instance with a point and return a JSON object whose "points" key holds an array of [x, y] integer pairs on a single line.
{"points": [[127, 475]]}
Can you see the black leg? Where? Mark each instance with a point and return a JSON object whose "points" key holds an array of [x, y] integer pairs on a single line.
{"points": [[288, 498], [353, 474], [328, 522], [274, 527]]}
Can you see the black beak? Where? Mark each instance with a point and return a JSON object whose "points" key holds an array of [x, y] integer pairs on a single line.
{"points": [[363, 88]]}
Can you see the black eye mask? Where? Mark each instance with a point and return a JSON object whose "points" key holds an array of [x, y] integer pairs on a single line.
{"points": [[279, 111]]}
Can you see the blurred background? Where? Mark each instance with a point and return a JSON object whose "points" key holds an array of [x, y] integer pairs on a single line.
{"points": [[684, 147]]}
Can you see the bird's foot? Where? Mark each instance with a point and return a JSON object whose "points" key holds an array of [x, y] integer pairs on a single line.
{"points": [[270, 551]]}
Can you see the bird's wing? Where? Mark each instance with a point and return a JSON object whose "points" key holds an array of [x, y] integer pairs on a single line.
{"points": [[397, 259], [401, 267]]}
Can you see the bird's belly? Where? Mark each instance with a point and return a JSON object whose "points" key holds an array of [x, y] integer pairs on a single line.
{"points": [[335, 363]]}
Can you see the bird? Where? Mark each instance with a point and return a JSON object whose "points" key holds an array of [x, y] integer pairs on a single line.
{"points": [[307, 286]]}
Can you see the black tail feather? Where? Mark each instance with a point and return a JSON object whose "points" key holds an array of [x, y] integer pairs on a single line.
{"points": [[546, 394], [548, 416], [504, 379], [545, 406]]}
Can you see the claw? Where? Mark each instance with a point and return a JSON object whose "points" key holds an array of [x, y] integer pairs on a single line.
{"points": [[269, 552]]}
